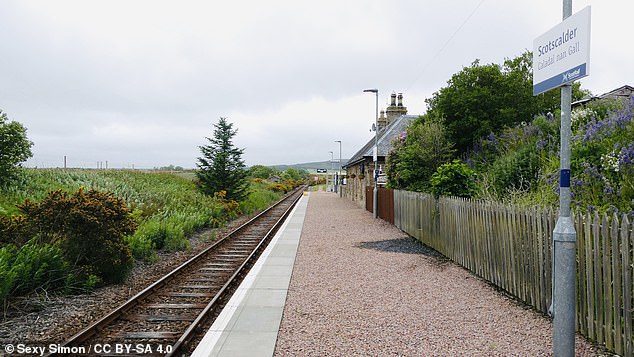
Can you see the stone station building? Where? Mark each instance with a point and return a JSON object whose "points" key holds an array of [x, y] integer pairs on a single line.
{"points": [[392, 123]]}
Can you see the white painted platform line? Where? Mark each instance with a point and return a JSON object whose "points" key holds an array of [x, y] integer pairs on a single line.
{"points": [[247, 326]]}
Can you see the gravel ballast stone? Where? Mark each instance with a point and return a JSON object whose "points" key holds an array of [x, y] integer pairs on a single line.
{"points": [[361, 286], [41, 319]]}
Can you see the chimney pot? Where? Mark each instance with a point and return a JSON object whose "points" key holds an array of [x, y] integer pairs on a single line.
{"points": [[400, 99], [393, 101]]}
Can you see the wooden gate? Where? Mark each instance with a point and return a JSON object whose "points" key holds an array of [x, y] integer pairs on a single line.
{"points": [[386, 202]]}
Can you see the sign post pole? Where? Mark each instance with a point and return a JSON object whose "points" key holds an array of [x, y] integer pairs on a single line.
{"points": [[561, 56], [564, 236], [564, 246]]}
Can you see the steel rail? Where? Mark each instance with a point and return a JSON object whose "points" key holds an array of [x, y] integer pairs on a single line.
{"points": [[234, 280], [95, 328]]}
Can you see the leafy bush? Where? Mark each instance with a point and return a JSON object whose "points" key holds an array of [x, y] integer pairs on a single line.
{"points": [[453, 179], [261, 171], [155, 233], [277, 187], [15, 230], [417, 155], [164, 197], [32, 267], [521, 164], [602, 161], [484, 98], [594, 110], [90, 227], [258, 199], [292, 174], [515, 171], [141, 246], [230, 208], [153, 197], [164, 235]]}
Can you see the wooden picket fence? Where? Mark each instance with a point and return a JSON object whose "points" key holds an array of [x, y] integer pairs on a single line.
{"points": [[510, 246]]}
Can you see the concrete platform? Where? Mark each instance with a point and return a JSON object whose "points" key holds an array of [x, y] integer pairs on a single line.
{"points": [[249, 323]]}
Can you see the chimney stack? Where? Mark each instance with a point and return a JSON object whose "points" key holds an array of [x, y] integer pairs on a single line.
{"points": [[382, 121], [394, 111]]}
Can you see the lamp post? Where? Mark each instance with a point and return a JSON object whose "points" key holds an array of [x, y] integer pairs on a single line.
{"points": [[375, 201], [338, 186]]}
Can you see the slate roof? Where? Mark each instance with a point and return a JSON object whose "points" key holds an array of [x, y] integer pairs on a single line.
{"points": [[623, 91], [397, 127]]}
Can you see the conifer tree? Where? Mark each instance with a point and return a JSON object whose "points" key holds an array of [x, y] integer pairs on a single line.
{"points": [[221, 167]]}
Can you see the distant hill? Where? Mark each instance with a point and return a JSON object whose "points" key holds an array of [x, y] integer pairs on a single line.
{"points": [[313, 166]]}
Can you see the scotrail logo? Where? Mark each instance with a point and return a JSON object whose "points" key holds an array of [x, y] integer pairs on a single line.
{"points": [[568, 76]]}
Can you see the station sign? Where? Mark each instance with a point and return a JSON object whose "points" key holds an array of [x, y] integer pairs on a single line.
{"points": [[562, 54]]}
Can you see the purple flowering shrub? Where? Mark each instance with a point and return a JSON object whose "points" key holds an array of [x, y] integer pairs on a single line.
{"points": [[516, 158], [417, 154], [521, 163], [602, 161]]}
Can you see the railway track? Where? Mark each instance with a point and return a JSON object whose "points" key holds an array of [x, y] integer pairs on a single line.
{"points": [[163, 318]]}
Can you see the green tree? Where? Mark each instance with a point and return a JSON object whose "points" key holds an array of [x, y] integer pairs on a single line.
{"points": [[221, 167], [519, 75], [294, 174], [471, 104], [417, 155], [481, 99], [15, 148], [171, 167], [261, 171], [454, 179]]}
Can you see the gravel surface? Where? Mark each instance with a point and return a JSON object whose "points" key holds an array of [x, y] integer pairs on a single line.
{"points": [[43, 319], [362, 287]]}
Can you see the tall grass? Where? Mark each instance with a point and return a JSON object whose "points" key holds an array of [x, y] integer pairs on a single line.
{"points": [[168, 207], [259, 198]]}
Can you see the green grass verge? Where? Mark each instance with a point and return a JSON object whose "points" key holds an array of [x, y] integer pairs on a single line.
{"points": [[167, 206]]}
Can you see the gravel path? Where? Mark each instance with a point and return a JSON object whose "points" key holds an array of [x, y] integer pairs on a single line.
{"points": [[362, 287]]}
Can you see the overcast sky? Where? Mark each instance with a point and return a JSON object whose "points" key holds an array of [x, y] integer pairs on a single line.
{"points": [[141, 82]]}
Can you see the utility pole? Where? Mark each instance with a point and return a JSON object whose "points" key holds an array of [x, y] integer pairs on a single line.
{"points": [[564, 237], [64, 161]]}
